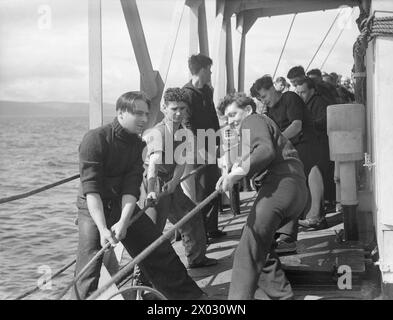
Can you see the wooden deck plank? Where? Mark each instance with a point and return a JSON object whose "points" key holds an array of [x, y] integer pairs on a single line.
{"points": [[311, 270]]}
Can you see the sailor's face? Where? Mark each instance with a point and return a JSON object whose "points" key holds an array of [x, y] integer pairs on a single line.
{"points": [[267, 97], [294, 81], [235, 115], [175, 111], [135, 122], [205, 74], [304, 92], [279, 86]]}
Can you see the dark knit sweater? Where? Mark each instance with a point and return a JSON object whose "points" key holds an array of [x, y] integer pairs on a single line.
{"points": [[203, 114], [110, 163], [269, 149]]}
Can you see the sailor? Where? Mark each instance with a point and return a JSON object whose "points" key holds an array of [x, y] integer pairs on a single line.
{"points": [[325, 89], [294, 120], [203, 116], [111, 171], [165, 162], [274, 165], [317, 106]]}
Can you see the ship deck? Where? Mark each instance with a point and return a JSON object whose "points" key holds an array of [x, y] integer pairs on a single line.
{"points": [[312, 270]]}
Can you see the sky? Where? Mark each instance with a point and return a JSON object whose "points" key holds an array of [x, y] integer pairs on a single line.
{"points": [[44, 46]]}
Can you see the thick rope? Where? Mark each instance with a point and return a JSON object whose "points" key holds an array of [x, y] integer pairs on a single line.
{"points": [[132, 220], [372, 27], [35, 191], [323, 40], [285, 44], [144, 288], [87, 266], [335, 42], [154, 245]]}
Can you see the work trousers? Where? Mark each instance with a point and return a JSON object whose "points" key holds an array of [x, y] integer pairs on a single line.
{"points": [[205, 184], [174, 207], [162, 267], [256, 269]]}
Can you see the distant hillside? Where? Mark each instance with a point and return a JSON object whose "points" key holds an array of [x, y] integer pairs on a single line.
{"points": [[52, 108]]}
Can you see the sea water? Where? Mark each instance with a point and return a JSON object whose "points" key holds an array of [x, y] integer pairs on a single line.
{"points": [[38, 234]]}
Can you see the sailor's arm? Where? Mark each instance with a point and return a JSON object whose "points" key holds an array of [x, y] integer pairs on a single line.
{"points": [[293, 129], [130, 193], [128, 203], [96, 210], [154, 159], [258, 152], [91, 151], [174, 182]]}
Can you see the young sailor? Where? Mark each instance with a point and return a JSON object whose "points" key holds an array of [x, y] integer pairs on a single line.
{"points": [[274, 165], [203, 116], [165, 166], [111, 171]]}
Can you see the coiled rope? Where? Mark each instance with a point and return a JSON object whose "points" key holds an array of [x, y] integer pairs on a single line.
{"points": [[372, 27]]}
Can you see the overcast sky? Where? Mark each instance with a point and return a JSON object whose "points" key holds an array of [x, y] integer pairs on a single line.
{"points": [[47, 59]]}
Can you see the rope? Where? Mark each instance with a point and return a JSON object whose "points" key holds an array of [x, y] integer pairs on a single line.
{"points": [[372, 27], [323, 40], [121, 274], [335, 42], [173, 48], [145, 288], [132, 220], [35, 191], [285, 43], [31, 291], [73, 282]]}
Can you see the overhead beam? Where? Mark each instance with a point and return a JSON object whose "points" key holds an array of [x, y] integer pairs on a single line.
{"points": [[219, 69], [224, 11], [293, 4], [229, 58], [244, 22], [151, 81], [95, 64], [198, 41], [135, 29], [269, 12], [202, 30], [194, 24]]}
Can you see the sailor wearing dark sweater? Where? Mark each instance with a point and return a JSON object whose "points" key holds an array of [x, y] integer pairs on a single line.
{"points": [[293, 118], [203, 116], [111, 170], [274, 165]]}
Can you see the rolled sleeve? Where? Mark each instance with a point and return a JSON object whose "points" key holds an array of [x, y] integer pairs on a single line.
{"points": [[91, 154], [133, 179]]}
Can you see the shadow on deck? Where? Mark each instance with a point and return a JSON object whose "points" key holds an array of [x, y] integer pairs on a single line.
{"points": [[312, 270]]}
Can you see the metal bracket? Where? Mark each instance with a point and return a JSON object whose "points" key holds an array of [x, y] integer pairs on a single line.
{"points": [[367, 162]]}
